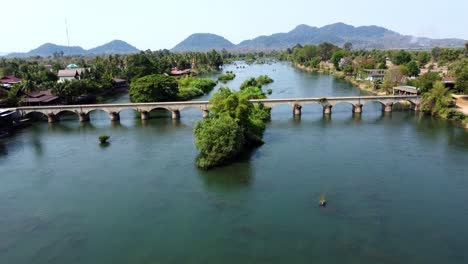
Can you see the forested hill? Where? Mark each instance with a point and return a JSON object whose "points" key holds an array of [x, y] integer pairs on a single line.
{"points": [[203, 42], [49, 49], [364, 37]]}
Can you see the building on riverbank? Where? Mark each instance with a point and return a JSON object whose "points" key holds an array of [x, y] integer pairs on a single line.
{"points": [[40, 98], [71, 74], [8, 81], [405, 90], [374, 75]]}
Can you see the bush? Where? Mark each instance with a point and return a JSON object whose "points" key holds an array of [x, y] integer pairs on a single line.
{"points": [[153, 88], [188, 93], [234, 125], [453, 114], [103, 139], [228, 76], [204, 84], [259, 82], [218, 140]]}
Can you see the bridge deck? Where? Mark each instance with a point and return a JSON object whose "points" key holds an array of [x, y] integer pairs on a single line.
{"points": [[206, 103]]}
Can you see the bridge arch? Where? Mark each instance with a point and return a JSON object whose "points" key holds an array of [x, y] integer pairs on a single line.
{"points": [[35, 115], [96, 110], [65, 112]]}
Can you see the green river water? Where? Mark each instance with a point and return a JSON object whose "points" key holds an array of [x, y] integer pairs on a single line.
{"points": [[397, 186]]}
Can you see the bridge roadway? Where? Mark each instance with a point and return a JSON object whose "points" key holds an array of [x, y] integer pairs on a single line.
{"points": [[83, 111]]}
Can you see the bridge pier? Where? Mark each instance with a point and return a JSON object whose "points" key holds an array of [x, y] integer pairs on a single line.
{"points": [[387, 108], [416, 107], [175, 114], [84, 117], [114, 116], [327, 109], [52, 118], [357, 108], [297, 110], [206, 114], [144, 115]]}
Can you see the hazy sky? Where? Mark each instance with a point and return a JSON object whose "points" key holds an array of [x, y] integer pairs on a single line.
{"points": [[162, 24]]}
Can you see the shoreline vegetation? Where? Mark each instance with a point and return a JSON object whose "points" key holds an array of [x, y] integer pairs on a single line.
{"points": [[437, 75]]}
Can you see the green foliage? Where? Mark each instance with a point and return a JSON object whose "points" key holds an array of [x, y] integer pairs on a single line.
{"points": [[423, 57], [252, 92], [413, 68], [436, 100], [264, 79], [460, 72], [426, 81], [453, 114], [204, 84], [228, 76], [188, 93], [191, 87], [103, 139], [444, 55], [248, 83], [153, 88], [234, 125], [337, 56], [402, 57], [259, 82], [312, 53]]}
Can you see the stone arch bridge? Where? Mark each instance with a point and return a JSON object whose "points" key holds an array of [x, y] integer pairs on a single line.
{"points": [[83, 111]]}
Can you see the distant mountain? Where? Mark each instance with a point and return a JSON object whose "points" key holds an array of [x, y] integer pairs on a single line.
{"points": [[203, 42], [114, 47], [364, 37], [48, 49]]}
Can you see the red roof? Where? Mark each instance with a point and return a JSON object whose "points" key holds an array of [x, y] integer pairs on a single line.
{"points": [[10, 79], [179, 72], [40, 97], [448, 80]]}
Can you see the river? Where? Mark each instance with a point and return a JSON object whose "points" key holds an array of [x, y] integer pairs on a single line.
{"points": [[397, 186]]}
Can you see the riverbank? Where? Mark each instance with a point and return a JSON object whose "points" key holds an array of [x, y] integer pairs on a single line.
{"points": [[327, 68], [367, 87]]}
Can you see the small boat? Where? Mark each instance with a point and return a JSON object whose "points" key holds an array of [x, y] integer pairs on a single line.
{"points": [[323, 202]]}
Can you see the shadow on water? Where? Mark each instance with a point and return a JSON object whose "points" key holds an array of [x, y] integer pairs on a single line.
{"points": [[232, 177], [228, 178], [3, 150]]}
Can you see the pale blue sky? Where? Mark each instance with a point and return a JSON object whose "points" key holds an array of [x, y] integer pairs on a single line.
{"points": [[162, 24]]}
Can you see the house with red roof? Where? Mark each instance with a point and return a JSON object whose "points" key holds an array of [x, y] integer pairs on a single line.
{"points": [[8, 81]]}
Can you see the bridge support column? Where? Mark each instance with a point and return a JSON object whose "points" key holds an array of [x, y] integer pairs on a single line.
{"points": [[387, 108], [114, 116], [327, 109], [175, 114], [84, 117], [52, 118], [357, 108], [206, 114], [416, 107], [144, 115], [297, 110]]}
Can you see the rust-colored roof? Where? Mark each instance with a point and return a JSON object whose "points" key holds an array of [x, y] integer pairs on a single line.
{"points": [[10, 79], [448, 80], [45, 96], [176, 72]]}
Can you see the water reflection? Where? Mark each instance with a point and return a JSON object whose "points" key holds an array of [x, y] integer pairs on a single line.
{"points": [[229, 178]]}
